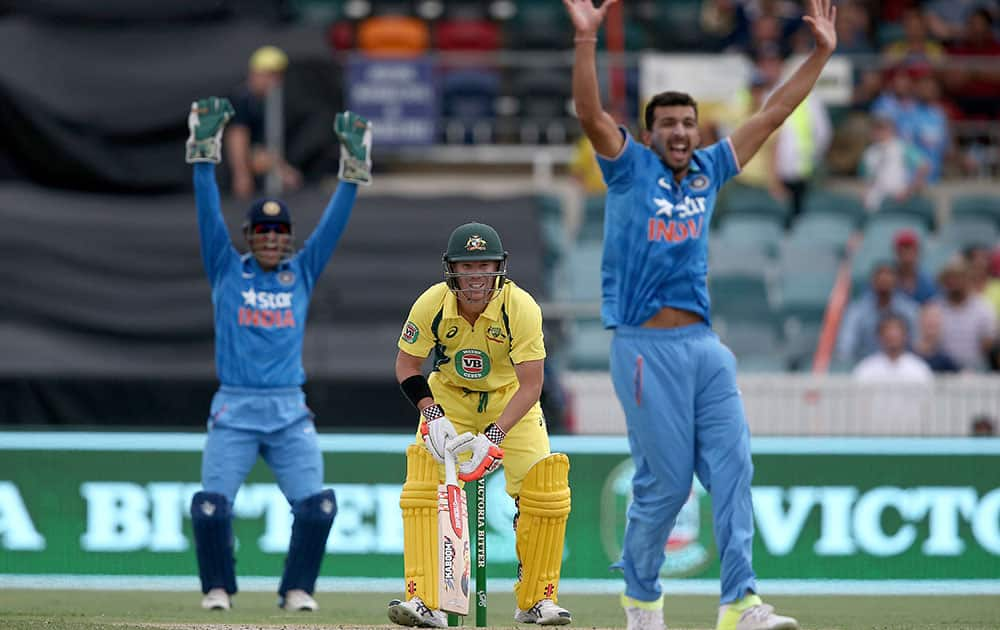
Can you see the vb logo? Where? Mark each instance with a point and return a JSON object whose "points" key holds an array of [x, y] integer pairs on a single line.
{"points": [[472, 364]]}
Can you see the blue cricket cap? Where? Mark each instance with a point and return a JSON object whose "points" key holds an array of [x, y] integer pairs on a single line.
{"points": [[268, 211]]}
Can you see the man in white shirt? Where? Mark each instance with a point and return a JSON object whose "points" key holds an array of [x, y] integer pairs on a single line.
{"points": [[893, 383], [893, 363]]}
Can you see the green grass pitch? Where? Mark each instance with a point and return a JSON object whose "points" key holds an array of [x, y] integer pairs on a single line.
{"points": [[145, 610]]}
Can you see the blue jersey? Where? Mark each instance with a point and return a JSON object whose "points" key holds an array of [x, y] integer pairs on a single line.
{"points": [[656, 231], [260, 316]]}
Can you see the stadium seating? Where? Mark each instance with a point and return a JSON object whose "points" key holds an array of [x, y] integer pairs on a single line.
{"points": [[467, 35], [393, 35], [740, 294], [920, 208], [822, 229], [762, 231], [827, 202], [468, 105], [967, 229], [983, 206], [539, 25], [591, 345], [738, 199], [543, 98], [756, 344]]}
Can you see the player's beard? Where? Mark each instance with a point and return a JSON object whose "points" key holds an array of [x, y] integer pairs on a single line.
{"points": [[661, 146]]}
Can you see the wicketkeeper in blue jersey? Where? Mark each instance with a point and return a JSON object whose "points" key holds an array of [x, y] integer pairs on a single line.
{"points": [[675, 380], [260, 300]]}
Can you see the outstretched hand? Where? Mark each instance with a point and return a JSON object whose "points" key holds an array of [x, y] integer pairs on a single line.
{"points": [[822, 18], [585, 16], [206, 121]]}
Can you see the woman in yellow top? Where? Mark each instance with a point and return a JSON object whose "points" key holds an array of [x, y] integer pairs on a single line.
{"points": [[482, 399]]}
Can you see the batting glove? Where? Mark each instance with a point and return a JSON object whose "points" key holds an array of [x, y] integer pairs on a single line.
{"points": [[436, 429], [487, 455], [206, 122], [355, 135]]}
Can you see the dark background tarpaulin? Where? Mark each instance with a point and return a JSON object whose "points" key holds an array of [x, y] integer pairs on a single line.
{"points": [[108, 320], [101, 106]]}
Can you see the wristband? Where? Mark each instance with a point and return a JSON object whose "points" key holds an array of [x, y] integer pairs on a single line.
{"points": [[415, 388], [432, 412], [494, 433]]}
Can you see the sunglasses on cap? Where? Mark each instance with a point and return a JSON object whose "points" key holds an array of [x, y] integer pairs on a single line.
{"points": [[264, 228]]}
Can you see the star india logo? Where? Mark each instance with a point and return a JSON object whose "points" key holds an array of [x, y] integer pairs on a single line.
{"points": [[475, 243]]}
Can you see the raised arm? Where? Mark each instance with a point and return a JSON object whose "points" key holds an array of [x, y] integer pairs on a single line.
{"points": [[600, 127], [749, 137], [206, 122], [354, 133]]}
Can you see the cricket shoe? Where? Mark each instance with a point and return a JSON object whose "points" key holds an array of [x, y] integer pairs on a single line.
{"points": [[297, 599], [415, 614], [641, 615], [544, 613], [216, 599], [757, 617]]}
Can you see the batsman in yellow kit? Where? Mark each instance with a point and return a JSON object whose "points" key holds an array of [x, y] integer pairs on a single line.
{"points": [[480, 403]]}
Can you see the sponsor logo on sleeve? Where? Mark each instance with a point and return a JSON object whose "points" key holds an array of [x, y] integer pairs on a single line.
{"points": [[410, 332]]}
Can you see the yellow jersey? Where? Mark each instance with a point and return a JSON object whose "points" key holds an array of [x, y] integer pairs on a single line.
{"points": [[476, 357]]}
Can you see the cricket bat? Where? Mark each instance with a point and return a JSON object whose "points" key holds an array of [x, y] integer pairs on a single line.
{"points": [[453, 542]]}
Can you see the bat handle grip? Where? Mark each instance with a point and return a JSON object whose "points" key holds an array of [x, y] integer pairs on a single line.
{"points": [[450, 468]]}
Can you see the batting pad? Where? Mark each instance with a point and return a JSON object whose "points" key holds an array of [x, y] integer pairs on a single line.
{"points": [[418, 502], [212, 523], [543, 504], [313, 519]]}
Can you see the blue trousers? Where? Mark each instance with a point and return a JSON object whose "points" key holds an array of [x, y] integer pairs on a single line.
{"points": [[684, 416], [291, 452]]}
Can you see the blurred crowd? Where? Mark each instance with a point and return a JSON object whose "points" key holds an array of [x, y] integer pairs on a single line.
{"points": [[908, 325]]}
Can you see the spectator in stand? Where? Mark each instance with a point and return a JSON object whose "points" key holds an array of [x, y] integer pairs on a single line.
{"points": [[752, 23], [801, 142], [584, 169], [992, 292], [249, 159], [983, 426], [898, 102], [946, 19], [968, 324], [759, 172], [916, 46], [892, 362], [974, 83], [854, 31], [928, 343], [858, 336], [978, 258], [911, 277], [931, 122], [891, 166], [894, 382]]}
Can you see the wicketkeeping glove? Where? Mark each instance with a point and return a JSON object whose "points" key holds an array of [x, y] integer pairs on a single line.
{"points": [[436, 429], [487, 455], [355, 135], [206, 122]]}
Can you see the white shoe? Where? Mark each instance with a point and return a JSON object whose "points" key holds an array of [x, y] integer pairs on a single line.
{"points": [[216, 599], [544, 613], [762, 617], [644, 619], [415, 614], [297, 599]]}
